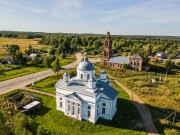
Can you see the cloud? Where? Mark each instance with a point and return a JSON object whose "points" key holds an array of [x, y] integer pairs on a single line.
{"points": [[19, 4], [66, 9], [151, 12]]}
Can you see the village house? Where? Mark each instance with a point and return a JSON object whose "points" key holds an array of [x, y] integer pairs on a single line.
{"points": [[7, 60], [134, 61], [161, 54], [86, 97]]}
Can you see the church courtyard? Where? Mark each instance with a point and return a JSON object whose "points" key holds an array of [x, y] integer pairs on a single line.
{"points": [[125, 121]]}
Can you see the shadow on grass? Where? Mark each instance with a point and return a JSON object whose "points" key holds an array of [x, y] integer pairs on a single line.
{"points": [[42, 111], [128, 117], [160, 114]]}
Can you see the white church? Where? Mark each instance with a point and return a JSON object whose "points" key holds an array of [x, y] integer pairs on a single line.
{"points": [[86, 97]]}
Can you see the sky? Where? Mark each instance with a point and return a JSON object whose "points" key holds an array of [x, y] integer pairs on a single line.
{"points": [[120, 17]]}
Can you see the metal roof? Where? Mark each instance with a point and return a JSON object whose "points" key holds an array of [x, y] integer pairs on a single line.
{"points": [[119, 59], [85, 64], [136, 55], [103, 72], [78, 86], [31, 105]]}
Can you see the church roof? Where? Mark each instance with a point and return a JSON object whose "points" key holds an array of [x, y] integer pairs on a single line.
{"points": [[119, 59], [103, 72], [80, 87], [74, 96], [85, 64]]}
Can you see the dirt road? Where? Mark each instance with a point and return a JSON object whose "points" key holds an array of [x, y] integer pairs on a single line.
{"points": [[142, 108]]}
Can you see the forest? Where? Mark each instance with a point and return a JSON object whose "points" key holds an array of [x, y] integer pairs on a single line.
{"points": [[65, 43], [121, 45]]}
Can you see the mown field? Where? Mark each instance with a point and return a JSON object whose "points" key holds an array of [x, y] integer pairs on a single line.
{"points": [[126, 120], [162, 97], [23, 44]]}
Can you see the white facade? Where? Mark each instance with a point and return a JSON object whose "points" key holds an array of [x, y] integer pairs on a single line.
{"points": [[86, 97]]}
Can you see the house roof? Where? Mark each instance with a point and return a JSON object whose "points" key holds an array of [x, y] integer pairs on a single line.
{"points": [[159, 52], [119, 59], [33, 55], [78, 86], [136, 55], [31, 105]]}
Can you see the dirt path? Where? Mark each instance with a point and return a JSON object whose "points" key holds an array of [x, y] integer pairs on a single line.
{"points": [[141, 107], [38, 91]]}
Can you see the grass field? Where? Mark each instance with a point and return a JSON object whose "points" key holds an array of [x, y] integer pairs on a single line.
{"points": [[126, 120], [23, 43], [48, 84], [163, 97], [17, 72], [69, 59], [21, 72]]}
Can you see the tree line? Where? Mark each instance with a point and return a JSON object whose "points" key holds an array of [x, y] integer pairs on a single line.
{"points": [[21, 35], [93, 44]]}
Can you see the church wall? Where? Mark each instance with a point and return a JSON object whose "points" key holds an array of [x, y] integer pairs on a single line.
{"points": [[58, 102], [115, 65], [85, 111], [136, 63], [114, 107], [84, 74], [64, 92]]}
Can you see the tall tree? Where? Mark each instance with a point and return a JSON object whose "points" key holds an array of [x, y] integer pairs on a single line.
{"points": [[169, 64], [47, 60], [56, 66], [21, 59], [13, 49]]}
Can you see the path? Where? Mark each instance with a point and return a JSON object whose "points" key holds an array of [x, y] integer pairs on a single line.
{"points": [[142, 108], [16, 83], [38, 91]]}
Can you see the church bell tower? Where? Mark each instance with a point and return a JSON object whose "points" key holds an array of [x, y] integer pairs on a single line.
{"points": [[107, 49]]}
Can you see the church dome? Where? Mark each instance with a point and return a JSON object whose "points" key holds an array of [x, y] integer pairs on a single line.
{"points": [[85, 64]]}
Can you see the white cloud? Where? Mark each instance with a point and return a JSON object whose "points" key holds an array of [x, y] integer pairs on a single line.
{"points": [[151, 12], [66, 9], [18, 4]]}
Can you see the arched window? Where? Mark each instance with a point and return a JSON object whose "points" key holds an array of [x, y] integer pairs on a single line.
{"points": [[88, 77], [81, 76], [103, 104]]}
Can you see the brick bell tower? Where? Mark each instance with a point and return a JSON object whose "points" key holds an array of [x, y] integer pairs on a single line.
{"points": [[107, 49]]}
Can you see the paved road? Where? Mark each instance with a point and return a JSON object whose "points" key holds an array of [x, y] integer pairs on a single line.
{"points": [[16, 83]]}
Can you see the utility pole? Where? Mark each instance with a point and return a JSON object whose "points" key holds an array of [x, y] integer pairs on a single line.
{"points": [[174, 118]]}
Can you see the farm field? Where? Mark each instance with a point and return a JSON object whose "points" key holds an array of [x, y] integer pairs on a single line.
{"points": [[162, 98], [23, 44], [126, 120]]}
